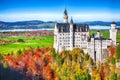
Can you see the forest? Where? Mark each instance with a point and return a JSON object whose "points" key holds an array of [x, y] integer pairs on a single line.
{"points": [[47, 64]]}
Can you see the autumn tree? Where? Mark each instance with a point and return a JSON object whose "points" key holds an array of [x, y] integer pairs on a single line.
{"points": [[87, 57], [33, 66], [91, 61], [53, 52], [1, 56], [5, 64], [59, 60], [19, 52], [102, 74], [113, 76], [83, 76], [24, 50], [112, 50], [118, 53], [113, 60]]}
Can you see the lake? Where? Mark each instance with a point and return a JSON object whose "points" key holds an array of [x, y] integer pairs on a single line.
{"points": [[21, 30]]}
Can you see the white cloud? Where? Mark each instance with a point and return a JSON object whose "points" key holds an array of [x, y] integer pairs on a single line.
{"points": [[29, 16], [78, 17]]}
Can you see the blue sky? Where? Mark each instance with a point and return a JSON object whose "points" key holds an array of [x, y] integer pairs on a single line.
{"points": [[52, 10]]}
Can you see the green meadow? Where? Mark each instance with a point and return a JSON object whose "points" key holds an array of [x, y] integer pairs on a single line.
{"points": [[106, 34], [33, 42], [41, 41]]}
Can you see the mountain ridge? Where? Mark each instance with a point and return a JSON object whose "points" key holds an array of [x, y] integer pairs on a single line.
{"points": [[36, 24]]}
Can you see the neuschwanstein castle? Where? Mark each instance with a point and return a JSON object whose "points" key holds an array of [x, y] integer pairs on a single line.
{"points": [[68, 36]]}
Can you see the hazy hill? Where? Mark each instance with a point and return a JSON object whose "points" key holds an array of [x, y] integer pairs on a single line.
{"points": [[102, 23], [34, 24], [37, 24]]}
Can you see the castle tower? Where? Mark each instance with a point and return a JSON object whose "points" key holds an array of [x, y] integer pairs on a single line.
{"points": [[65, 16], [56, 37], [98, 34], [71, 34], [113, 33]]}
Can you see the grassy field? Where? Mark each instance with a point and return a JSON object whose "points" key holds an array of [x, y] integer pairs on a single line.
{"points": [[33, 42]]}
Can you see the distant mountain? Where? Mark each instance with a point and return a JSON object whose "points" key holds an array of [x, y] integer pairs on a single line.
{"points": [[37, 24], [34, 24], [101, 23], [20, 23]]}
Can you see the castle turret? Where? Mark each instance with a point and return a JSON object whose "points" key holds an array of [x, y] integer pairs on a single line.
{"points": [[113, 33], [56, 37], [71, 34], [65, 17], [55, 28], [98, 34]]}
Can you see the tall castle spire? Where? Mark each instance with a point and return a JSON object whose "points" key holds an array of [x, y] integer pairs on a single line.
{"points": [[71, 34], [65, 16], [65, 12], [71, 21]]}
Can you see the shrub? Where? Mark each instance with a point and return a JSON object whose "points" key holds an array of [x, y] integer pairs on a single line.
{"points": [[118, 52], [20, 40]]}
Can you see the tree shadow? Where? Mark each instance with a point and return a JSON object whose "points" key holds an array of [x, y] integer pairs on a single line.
{"points": [[8, 74]]}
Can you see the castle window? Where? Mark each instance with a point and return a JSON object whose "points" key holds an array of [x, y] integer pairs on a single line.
{"points": [[60, 43]]}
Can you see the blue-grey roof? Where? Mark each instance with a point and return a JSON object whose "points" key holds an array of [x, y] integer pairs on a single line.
{"points": [[65, 27]]}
